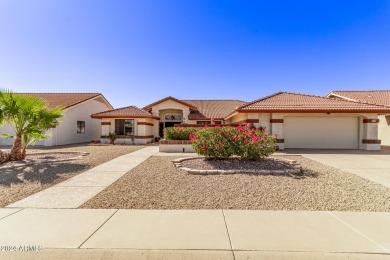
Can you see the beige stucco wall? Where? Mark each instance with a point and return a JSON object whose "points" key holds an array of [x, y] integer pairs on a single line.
{"points": [[384, 129], [171, 105], [139, 130], [237, 118], [365, 130]]}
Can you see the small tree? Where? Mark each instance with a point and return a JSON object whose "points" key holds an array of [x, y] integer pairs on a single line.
{"points": [[30, 119]]}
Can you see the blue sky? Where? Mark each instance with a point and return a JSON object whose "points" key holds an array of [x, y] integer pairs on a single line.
{"points": [[136, 52]]}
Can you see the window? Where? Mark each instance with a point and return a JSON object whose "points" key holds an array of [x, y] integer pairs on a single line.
{"points": [[172, 117], [208, 122], [81, 127], [124, 126]]}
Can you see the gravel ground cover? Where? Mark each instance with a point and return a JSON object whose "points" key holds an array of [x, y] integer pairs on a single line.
{"points": [[237, 164], [20, 182], [158, 184], [41, 158]]}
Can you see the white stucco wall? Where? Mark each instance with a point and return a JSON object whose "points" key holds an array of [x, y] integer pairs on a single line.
{"points": [[66, 133], [7, 129]]}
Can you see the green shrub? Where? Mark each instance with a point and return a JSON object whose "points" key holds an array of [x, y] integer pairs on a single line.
{"points": [[178, 133], [222, 142]]}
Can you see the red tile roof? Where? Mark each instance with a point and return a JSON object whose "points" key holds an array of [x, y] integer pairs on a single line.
{"points": [[218, 109], [293, 102], [169, 98], [64, 100], [124, 112], [378, 97]]}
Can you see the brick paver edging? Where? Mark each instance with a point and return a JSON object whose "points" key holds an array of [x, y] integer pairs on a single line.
{"points": [[296, 168]]}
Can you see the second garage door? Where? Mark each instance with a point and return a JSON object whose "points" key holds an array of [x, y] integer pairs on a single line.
{"points": [[321, 132]]}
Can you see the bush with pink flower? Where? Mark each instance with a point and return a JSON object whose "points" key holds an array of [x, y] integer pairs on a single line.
{"points": [[222, 142]]}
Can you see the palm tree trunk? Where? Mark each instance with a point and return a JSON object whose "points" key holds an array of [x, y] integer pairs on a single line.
{"points": [[24, 152], [4, 156], [16, 153]]}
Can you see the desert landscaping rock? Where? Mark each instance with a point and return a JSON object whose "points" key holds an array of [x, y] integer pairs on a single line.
{"points": [[235, 165], [20, 182], [158, 184]]}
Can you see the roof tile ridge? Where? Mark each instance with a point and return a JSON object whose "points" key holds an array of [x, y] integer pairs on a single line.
{"points": [[357, 100], [374, 90], [120, 108], [166, 98], [75, 93], [260, 99], [213, 100]]}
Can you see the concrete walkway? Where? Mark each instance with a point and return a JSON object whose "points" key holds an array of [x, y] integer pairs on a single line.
{"points": [[371, 165], [75, 191], [196, 234]]}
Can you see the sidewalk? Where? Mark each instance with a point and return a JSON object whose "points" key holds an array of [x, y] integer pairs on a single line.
{"points": [[75, 191], [196, 234]]}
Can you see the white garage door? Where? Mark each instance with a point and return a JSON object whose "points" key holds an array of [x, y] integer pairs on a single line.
{"points": [[321, 132]]}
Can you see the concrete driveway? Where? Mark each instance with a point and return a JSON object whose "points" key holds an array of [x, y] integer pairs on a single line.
{"points": [[372, 165]]}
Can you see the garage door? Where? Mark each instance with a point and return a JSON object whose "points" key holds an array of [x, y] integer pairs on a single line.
{"points": [[321, 132]]}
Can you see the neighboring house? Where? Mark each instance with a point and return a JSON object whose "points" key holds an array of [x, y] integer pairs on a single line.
{"points": [[377, 97], [76, 126], [300, 121]]}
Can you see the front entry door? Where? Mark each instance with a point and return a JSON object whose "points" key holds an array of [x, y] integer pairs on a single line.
{"points": [[161, 130]]}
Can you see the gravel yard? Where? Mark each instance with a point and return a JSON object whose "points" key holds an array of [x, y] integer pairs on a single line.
{"points": [[45, 157], [158, 184], [17, 183], [236, 164]]}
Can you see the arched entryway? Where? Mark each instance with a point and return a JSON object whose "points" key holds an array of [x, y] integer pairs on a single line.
{"points": [[169, 118]]}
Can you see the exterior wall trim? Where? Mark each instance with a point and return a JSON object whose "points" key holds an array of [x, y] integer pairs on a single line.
{"points": [[145, 123], [248, 121], [125, 117], [373, 121], [371, 141], [276, 121], [131, 136], [105, 123]]}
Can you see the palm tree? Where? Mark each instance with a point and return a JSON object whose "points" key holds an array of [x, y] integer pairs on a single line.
{"points": [[30, 119]]}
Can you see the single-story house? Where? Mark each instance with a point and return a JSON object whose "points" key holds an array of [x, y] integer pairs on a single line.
{"points": [[76, 126], [299, 120], [377, 97]]}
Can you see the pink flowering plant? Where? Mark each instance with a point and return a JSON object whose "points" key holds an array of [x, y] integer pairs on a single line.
{"points": [[222, 142], [213, 142]]}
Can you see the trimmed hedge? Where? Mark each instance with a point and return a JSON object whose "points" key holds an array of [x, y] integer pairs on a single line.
{"points": [[178, 133]]}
